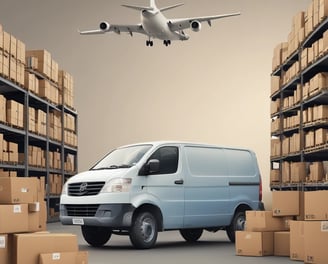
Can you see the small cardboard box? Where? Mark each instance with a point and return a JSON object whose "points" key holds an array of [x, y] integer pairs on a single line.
{"points": [[315, 242], [18, 190], [281, 207], [37, 217], [4, 249], [282, 244], [28, 247], [254, 243], [79, 257], [14, 218], [297, 240], [264, 221], [315, 205]]}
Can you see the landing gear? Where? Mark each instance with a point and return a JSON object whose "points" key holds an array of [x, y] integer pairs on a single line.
{"points": [[149, 43], [167, 42]]}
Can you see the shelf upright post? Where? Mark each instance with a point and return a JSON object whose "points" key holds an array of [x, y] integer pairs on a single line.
{"points": [[26, 138]]}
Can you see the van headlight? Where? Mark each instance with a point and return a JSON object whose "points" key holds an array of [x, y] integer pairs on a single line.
{"points": [[117, 185]]}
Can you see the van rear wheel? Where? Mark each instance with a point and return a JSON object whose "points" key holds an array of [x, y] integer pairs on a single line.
{"points": [[143, 233], [96, 236], [191, 235], [238, 223]]}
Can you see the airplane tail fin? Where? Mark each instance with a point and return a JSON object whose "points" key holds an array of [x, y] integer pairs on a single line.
{"points": [[152, 6]]}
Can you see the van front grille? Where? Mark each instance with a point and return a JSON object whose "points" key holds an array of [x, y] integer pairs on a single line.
{"points": [[81, 210], [85, 188]]}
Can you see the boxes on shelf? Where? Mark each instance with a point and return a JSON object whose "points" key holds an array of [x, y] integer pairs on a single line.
{"points": [[44, 61], [3, 114]]}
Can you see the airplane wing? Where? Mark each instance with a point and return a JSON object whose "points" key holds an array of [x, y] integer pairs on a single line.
{"points": [[118, 29], [184, 23]]}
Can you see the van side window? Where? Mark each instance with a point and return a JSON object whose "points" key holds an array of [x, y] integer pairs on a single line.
{"points": [[168, 158]]}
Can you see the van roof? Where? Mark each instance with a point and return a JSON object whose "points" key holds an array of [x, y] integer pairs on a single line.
{"points": [[182, 143]]}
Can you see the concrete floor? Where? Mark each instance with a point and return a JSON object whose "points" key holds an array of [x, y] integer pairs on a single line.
{"points": [[170, 248]]}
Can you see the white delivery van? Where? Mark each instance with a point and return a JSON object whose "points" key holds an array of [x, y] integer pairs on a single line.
{"points": [[142, 189]]}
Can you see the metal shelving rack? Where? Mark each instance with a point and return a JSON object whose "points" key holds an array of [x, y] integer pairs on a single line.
{"points": [[318, 153], [23, 137]]}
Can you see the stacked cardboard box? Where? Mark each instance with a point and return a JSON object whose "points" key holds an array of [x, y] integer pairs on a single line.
{"points": [[12, 57], [66, 87], [55, 126], [23, 223]]}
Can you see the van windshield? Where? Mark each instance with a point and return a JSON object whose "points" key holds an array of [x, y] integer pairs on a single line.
{"points": [[122, 158]]}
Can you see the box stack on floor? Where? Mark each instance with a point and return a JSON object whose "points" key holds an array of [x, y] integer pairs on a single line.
{"points": [[23, 235], [297, 227]]}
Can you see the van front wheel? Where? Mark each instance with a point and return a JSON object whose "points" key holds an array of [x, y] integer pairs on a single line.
{"points": [[191, 235], [143, 233], [96, 236], [238, 223]]}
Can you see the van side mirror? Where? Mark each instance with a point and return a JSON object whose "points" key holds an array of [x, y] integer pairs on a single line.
{"points": [[151, 167]]}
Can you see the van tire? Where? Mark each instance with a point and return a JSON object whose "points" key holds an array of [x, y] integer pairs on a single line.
{"points": [[96, 236], [191, 235], [238, 223], [144, 231]]}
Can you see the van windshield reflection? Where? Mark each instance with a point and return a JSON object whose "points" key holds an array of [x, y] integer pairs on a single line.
{"points": [[122, 158]]}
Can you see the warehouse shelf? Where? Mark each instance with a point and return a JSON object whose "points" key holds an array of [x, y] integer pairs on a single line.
{"points": [[305, 103], [25, 138]]}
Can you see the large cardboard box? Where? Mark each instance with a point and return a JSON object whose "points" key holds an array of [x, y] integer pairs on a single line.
{"points": [[254, 243], [13, 218], [79, 257], [257, 221], [28, 247], [282, 208], [316, 205], [297, 240], [18, 190], [315, 242], [4, 249], [282, 244]]}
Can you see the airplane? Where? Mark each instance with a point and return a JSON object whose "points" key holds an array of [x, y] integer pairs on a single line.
{"points": [[156, 26]]}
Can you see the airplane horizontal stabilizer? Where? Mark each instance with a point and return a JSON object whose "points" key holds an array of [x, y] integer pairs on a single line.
{"points": [[138, 8], [170, 7]]}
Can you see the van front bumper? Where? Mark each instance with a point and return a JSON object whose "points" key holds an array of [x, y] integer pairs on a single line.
{"points": [[107, 215]]}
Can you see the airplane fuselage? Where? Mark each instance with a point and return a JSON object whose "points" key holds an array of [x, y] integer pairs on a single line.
{"points": [[157, 26]]}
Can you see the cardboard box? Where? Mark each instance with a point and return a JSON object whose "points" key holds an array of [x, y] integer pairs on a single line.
{"points": [[298, 172], [4, 249], [254, 243], [282, 208], [282, 244], [24, 253], [37, 217], [18, 190], [315, 242], [297, 240], [316, 205], [317, 172], [14, 218], [259, 221], [79, 257]]}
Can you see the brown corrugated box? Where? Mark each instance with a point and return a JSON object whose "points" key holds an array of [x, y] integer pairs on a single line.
{"points": [[14, 218], [80, 257], [254, 243], [24, 253], [282, 208], [315, 242], [18, 190], [316, 205], [265, 221], [297, 240], [282, 244], [4, 249]]}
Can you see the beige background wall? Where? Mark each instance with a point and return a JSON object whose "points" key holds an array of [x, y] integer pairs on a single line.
{"points": [[214, 88]]}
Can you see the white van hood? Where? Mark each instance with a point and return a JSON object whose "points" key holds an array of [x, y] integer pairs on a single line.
{"points": [[100, 175]]}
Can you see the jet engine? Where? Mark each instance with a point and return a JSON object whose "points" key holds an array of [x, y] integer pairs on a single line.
{"points": [[104, 26], [195, 26]]}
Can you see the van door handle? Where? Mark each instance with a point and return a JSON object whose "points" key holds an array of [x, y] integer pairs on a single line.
{"points": [[179, 182]]}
